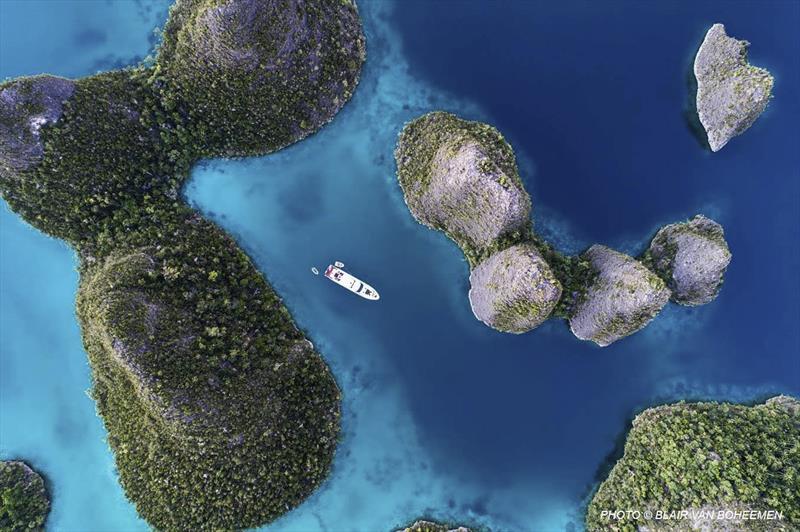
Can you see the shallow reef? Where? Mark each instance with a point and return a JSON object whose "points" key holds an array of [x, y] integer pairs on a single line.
{"points": [[220, 413], [461, 177], [706, 457], [731, 93], [24, 502]]}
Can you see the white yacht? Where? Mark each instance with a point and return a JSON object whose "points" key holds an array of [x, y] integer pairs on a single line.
{"points": [[336, 274]]}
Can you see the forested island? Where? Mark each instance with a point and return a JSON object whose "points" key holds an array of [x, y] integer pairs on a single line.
{"points": [[24, 501], [728, 466], [220, 413]]}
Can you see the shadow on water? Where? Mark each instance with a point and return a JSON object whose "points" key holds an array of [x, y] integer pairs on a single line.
{"points": [[690, 111]]}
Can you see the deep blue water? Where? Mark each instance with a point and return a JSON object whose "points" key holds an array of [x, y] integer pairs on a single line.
{"points": [[442, 415]]}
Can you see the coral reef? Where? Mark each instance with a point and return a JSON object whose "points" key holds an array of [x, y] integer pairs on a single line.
{"points": [[731, 93], [705, 457], [221, 415]]}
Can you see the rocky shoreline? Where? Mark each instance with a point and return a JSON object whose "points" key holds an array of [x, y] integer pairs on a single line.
{"points": [[731, 93], [461, 178]]}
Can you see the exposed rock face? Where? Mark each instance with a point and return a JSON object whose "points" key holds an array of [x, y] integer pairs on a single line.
{"points": [[27, 105], [460, 177], [514, 290], [692, 258], [278, 69], [731, 93], [430, 526], [787, 403], [624, 297]]}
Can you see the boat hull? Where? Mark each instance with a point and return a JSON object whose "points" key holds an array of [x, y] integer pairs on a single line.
{"points": [[351, 283]]}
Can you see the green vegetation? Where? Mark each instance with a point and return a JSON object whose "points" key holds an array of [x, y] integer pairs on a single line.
{"points": [[220, 414], [415, 154], [706, 456], [245, 86], [24, 503], [416, 151]]}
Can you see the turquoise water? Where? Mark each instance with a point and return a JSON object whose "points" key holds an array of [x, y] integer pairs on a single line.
{"points": [[442, 416]]}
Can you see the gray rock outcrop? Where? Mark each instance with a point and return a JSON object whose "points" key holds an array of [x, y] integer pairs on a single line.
{"points": [[623, 298], [514, 290], [460, 177], [691, 257], [27, 105], [731, 93], [430, 526]]}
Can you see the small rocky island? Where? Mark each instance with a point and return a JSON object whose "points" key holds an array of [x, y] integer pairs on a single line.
{"points": [[731, 93], [461, 178], [692, 258], [220, 413], [24, 502], [430, 526], [706, 458]]}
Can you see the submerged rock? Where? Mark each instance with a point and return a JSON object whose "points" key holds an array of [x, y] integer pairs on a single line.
{"points": [[24, 502], [731, 93], [257, 75], [27, 105], [624, 297], [461, 177], [514, 290], [691, 257]]}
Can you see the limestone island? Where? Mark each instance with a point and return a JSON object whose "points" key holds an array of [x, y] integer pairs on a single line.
{"points": [[424, 525], [731, 93], [24, 502], [461, 178], [728, 466], [220, 413]]}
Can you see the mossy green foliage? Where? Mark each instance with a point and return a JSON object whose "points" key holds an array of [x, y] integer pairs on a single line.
{"points": [[694, 455], [574, 272], [112, 149], [220, 414], [253, 76], [416, 149], [24, 502]]}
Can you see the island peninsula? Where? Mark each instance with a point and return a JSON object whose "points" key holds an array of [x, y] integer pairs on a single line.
{"points": [[461, 177], [220, 413]]}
